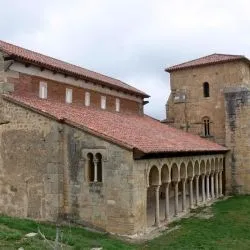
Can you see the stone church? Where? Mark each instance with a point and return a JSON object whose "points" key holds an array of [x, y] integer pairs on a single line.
{"points": [[76, 145]]}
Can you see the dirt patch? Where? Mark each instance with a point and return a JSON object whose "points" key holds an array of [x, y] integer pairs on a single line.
{"points": [[205, 213]]}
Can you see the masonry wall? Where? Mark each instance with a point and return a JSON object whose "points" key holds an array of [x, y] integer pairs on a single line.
{"points": [[31, 172], [107, 204], [44, 173], [237, 107], [187, 114]]}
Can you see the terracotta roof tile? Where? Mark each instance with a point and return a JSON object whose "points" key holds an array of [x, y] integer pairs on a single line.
{"points": [[64, 67], [131, 131], [207, 60]]}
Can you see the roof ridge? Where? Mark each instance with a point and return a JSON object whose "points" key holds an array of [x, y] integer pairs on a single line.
{"points": [[222, 54], [206, 60], [189, 61], [60, 60], [55, 60]]}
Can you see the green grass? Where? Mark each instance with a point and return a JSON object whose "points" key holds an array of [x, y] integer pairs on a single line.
{"points": [[229, 228]]}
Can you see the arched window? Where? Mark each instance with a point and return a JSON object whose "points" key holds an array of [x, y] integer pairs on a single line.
{"points": [[91, 167], [99, 167], [206, 89], [206, 126]]}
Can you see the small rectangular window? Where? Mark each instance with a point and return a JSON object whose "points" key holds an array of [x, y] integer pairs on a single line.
{"points": [[87, 99], [103, 102], [117, 105], [43, 90], [68, 96]]}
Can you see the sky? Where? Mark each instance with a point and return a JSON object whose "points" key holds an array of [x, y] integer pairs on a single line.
{"points": [[132, 40]]}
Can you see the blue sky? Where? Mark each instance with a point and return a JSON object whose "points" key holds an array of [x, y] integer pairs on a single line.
{"points": [[133, 40]]}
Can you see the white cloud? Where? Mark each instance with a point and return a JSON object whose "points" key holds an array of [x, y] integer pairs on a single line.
{"points": [[133, 40]]}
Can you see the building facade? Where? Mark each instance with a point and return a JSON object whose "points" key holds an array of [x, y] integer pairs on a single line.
{"points": [[76, 145], [210, 97]]}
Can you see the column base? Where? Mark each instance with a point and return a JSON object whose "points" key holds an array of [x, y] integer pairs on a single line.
{"points": [[156, 225], [166, 219]]}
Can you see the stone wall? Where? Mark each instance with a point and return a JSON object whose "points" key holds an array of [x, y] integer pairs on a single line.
{"points": [[237, 107], [105, 204], [30, 164], [187, 113], [43, 173]]}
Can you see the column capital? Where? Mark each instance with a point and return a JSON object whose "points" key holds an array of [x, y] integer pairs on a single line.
{"points": [[166, 184], [183, 179], [156, 187]]}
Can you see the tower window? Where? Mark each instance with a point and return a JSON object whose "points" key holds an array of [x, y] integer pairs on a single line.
{"points": [[206, 89], [206, 126], [43, 90]]}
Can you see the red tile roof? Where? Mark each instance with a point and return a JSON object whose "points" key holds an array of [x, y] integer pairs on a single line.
{"points": [[130, 131], [207, 60], [40, 60]]}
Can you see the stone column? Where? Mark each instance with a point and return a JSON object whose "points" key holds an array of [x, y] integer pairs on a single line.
{"points": [[183, 195], [216, 185], [176, 205], [157, 206], [208, 192], [166, 201], [197, 189], [95, 170], [212, 185], [220, 181], [203, 188], [191, 200]]}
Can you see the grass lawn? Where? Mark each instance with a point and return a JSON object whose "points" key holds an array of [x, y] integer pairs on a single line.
{"points": [[229, 228]]}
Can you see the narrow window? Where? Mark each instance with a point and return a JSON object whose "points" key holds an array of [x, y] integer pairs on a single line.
{"points": [[206, 126], [117, 105], [99, 167], [91, 167], [87, 99], [43, 90], [206, 89], [68, 95], [103, 102]]}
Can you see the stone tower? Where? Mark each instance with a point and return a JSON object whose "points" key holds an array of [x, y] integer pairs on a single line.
{"points": [[210, 97]]}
